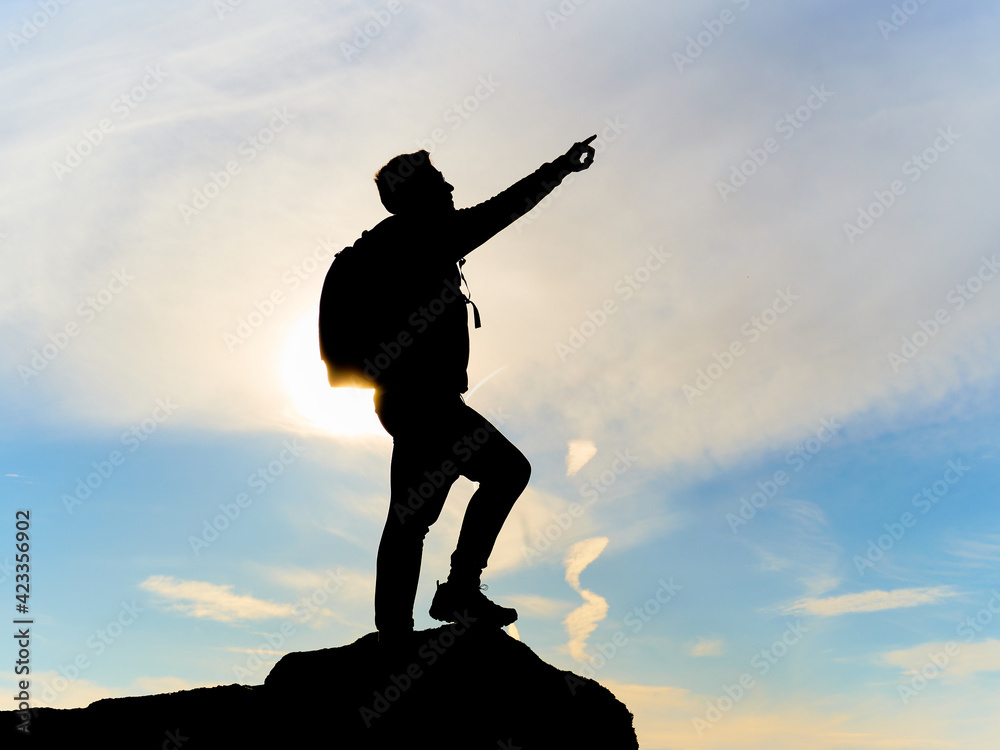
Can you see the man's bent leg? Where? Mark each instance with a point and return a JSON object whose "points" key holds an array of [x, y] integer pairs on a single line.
{"points": [[484, 519], [502, 472]]}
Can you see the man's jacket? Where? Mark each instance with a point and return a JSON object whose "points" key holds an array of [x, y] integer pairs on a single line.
{"points": [[402, 318]]}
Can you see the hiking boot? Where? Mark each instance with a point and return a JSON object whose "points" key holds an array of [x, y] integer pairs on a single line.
{"points": [[452, 601]]}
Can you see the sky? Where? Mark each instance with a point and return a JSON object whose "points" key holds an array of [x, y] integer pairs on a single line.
{"points": [[751, 353]]}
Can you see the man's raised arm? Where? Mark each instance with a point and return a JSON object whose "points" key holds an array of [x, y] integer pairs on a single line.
{"points": [[477, 224]]}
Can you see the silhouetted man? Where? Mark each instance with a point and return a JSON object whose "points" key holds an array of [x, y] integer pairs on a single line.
{"points": [[416, 354]]}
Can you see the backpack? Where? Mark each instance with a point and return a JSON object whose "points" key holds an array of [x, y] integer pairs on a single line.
{"points": [[354, 322], [347, 320]]}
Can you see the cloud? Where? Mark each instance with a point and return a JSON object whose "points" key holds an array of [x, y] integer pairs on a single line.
{"points": [[213, 602], [539, 606], [705, 647], [580, 555], [537, 528], [323, 596], [53, 690], [867, 601], [819, 583], [215, 92], [582, 621], [950, 660], [663, 719], [310, 581], [257, 651], [981, 552], [578, 454], [157, 685]]}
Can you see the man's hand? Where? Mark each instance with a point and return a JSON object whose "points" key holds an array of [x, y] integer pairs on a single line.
{"points": [[580, 156]]}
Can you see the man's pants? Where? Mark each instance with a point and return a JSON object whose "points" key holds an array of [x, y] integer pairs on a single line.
{"points": [[436, 439]]}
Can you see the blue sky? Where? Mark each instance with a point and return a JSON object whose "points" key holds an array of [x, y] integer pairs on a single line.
{"points": [[777, 278]]}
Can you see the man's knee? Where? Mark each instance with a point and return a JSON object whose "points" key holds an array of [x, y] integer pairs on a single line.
{"points": [[519, 472], [507, 472]]}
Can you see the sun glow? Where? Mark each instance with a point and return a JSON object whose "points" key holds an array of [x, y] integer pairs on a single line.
{"points": [[335, 411]]}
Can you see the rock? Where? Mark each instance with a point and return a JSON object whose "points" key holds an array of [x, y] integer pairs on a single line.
{"points": [[456, 687]]}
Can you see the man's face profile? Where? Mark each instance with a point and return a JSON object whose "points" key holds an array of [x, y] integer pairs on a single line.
{"points": [[410, 184], [430, 190]]}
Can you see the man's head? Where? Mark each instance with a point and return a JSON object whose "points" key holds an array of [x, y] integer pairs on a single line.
{"points": [[409, 183]]}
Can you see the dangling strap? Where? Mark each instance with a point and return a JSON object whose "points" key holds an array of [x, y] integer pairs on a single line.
{"points": [[468, 298]]}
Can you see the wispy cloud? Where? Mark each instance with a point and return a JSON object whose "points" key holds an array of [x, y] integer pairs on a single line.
{"points": [[819, 583], [867, 601], [708, 647], [312, 580], [969, 659], [662, 719], [539, 606], [240, 650], [82, 692], [977, 552], [581, 621], [212, 601], [155, 685], [579, 452]]}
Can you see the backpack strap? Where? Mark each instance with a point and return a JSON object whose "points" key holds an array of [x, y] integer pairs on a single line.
{"points": [[468, 298]]}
